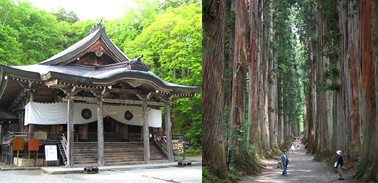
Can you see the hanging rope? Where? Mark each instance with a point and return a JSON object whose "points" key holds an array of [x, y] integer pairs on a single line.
{"points": [[119, 108]]}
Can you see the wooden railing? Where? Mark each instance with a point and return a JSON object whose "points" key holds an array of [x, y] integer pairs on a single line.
{"points": [[6, 154], [161, 142], [63, 141], [177, 139], [7, 139]]}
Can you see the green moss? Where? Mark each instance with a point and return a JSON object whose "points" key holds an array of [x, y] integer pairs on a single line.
{"points": [[369, 176], [208, 177], [359, 174]]}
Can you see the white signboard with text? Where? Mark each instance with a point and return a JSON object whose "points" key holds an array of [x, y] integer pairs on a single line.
{"points": [[51, 153]]}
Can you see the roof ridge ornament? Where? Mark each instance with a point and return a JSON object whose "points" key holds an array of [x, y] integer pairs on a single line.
{"points": [[137, 64], [96, 27]]}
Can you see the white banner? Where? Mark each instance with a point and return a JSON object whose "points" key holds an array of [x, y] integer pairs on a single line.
{"points": [[56, 113]]}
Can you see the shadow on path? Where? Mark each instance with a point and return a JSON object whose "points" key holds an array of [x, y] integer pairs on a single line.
{"points": [[301, 168]]}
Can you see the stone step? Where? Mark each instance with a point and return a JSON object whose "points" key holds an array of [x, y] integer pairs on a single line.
{"points": [[115, 153]]}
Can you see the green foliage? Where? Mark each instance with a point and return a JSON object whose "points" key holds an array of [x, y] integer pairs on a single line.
{"points": [[333, 86], [63, 16], [332, 73], [31, 31], [125, 29], [208, 177], [170, 40], [291, 70]]}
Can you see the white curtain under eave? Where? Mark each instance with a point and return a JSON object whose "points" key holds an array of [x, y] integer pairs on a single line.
{"points": [[56, 113]]}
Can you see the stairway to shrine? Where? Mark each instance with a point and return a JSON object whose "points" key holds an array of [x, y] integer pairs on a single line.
{"points": [[115, 153]]}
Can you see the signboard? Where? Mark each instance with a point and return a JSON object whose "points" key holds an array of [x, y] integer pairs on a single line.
{"points": [[51, 153], [33, 144], [40, 135], [18, 144]]}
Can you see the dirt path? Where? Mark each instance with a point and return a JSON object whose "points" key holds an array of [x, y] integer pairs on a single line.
{"points": [[301, 168]]}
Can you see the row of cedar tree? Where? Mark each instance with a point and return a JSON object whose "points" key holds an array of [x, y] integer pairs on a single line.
{"points": [[274, 69]]}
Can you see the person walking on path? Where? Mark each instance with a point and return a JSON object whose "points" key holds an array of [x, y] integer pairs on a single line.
{"points": [[292, 148], [339, 164], [285, 162]]}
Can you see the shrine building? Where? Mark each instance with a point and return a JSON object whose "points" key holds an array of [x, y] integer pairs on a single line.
{"points": [[91, 101]]}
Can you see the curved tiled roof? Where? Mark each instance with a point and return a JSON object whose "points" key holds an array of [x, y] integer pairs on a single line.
{"points": [[94, 75]]}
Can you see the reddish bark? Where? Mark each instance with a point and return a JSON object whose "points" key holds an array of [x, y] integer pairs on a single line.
{"points": [[239, 76], [212, 88], [254, 130], [366, 73], [368, 169], [354, 90], [366, 45]]}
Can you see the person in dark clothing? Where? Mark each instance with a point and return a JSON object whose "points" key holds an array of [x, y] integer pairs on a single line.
{"points": [[285, 162], [339, 164]]}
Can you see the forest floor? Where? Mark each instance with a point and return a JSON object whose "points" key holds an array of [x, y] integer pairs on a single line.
{"points": [[301, 168]]}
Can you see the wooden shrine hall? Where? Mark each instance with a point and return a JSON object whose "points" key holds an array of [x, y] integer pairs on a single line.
{"points": [[98, 106]]}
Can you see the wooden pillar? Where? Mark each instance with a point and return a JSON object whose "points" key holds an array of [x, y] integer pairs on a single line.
{"points": [[100, 133], [70, 130], [146, 134], [31, 99], [168, 134]]}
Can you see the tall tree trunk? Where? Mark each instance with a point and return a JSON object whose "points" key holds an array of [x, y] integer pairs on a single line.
{"points": [[343, 103], [239, 79], [282, 124], [261, 59], [229, 75], [264, 78], [253, 100], [305, 120], [319, 60], [310, 95], [368, 169], [353, 66], [270, 80], [212, 88]]}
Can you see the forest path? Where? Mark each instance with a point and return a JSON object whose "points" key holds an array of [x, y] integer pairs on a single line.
{"points": [[301, 168]]}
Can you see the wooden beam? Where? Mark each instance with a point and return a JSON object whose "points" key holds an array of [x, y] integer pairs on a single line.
{"points": [[100, 133], [119, 101], [125, 91], [141, 97], [146, 136], [168, 134]]}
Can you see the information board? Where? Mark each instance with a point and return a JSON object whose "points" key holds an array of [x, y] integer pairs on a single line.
{"points": [[18, 144], [51, 153], [33, 144]]}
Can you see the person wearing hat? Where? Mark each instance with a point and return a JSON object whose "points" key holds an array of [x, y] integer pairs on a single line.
{"points": [[285, 162], [339, 164]]}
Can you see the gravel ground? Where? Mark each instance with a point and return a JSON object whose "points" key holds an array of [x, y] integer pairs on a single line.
{"points": [[173, 174], [301, 168]]}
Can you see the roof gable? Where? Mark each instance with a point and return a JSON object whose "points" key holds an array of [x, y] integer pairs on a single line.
{"points": [[95, 49]]}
